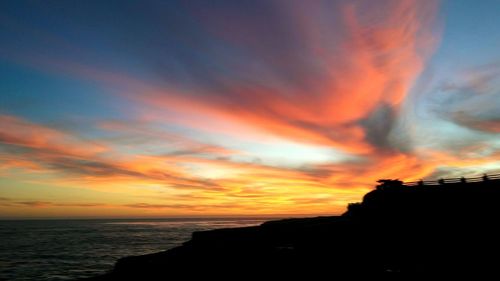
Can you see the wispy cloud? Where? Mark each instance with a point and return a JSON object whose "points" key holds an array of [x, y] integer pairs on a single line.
{"points": [[326, 85], [472, 98], [29, 145], [220, 97]]}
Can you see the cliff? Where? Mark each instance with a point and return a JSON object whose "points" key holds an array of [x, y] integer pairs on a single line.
{"points": [[396, 231]]}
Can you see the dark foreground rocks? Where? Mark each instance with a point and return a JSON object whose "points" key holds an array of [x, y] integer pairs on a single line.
{"points": [[397, 232]]}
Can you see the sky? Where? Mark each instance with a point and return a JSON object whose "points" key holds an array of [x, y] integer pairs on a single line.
{"points": [[194, 108]]}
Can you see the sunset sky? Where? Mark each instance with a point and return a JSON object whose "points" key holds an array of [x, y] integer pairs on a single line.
{"points": [[168, 108]]}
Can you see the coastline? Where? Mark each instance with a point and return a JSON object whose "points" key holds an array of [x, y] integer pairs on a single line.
{"points": [[396, 230]]}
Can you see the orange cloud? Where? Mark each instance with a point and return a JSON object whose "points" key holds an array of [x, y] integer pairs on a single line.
{"points": [[342, 64], [29, 145], [370, 60], [22, 134]]}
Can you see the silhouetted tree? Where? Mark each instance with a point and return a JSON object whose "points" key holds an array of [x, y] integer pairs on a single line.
{"points": [[387, 183]]}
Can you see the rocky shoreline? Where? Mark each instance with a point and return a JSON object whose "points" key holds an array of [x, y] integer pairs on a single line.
{"points": [[396, 231]]}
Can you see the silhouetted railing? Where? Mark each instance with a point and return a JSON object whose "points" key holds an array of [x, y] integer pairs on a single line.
{"points": [[453, 180]]}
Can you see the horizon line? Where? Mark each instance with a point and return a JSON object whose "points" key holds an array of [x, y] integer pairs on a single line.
{"points": [[249, 216]]}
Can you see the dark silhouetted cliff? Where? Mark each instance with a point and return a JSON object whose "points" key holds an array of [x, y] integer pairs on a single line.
{"points": [[396, 231]]}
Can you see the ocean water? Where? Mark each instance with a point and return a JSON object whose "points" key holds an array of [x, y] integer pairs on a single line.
{"points": [[71, 249]]}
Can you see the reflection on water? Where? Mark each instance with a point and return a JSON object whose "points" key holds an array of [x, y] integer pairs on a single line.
{"points": [[69, 249]]}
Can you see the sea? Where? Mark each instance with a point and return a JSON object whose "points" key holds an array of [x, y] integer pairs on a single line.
{"points": [[73, 249]]}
